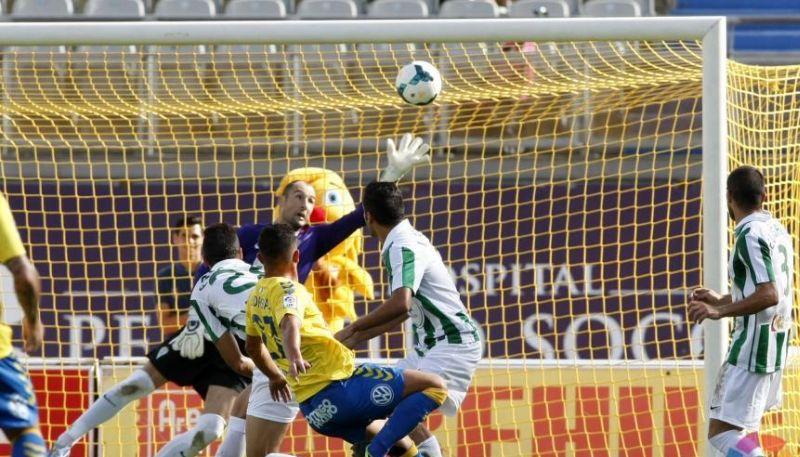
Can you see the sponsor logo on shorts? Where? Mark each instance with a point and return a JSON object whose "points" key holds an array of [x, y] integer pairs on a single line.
{"points": [[381, 395], [323, 413]]}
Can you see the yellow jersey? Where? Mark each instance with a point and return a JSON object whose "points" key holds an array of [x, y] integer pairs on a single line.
{"points": [[10, 247], [271, 300]]}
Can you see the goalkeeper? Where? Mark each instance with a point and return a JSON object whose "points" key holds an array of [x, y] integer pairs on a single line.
{"points": [[182, 358]]}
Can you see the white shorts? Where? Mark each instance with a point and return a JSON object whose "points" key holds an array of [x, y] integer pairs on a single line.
{"points": [[262, 406], [742, 397], [455, 363]]}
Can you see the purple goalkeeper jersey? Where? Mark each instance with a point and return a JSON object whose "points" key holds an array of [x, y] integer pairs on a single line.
{"points": [[314, 241]]}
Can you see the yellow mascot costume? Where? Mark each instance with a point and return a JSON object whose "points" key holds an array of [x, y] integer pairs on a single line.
{"points": [[337, 276]]}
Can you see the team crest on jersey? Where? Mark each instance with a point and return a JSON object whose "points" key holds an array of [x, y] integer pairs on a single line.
{"points": [[416, 315], [778, 323], [290, 302], [381, 395]]}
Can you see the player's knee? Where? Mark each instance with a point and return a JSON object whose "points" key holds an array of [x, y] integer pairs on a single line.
{"points": [[135, 387], [433, 381], [439, 382], [210, 428]]}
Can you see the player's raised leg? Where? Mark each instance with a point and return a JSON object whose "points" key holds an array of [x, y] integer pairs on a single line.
{"points": [[422, 394], [139, 384], [208, 427]]}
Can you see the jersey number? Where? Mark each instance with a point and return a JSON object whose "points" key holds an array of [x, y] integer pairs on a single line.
{"points": [[262, 322]]}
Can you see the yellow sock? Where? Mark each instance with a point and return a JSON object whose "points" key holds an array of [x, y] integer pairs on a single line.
{"points": [[412, 452], [436, 394]]}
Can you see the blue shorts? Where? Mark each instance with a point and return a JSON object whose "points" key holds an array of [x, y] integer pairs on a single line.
{"points": [[18, 408], [344, 408]]}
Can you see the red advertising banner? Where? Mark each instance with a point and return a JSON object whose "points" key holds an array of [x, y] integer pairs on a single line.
{"points": [[63, 394]]}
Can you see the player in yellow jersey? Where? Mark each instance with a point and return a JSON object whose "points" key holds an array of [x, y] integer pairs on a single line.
{"points": [[290, 342], [19, 415]]}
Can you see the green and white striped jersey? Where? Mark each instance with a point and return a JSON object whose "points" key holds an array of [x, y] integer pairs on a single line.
{"points": [[220, 296], [762, 252], [437, 313]]}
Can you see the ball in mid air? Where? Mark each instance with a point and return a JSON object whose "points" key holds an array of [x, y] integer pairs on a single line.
{"points": [[418, 83]]}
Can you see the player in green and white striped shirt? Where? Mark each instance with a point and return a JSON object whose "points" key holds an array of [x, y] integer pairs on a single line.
{"points": [[446, 341], [761, 271]]}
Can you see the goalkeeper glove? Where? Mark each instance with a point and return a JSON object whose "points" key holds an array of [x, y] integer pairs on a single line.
{"points": [[410, 153], [190, 342]]}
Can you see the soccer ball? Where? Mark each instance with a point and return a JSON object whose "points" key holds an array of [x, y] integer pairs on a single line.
{"points": [[418, 83]]}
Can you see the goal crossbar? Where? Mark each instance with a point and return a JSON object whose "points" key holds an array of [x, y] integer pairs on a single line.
{"points": [[355, 31]]}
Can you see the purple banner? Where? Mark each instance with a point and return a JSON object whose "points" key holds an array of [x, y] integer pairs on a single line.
{"points": [[591, 271]]}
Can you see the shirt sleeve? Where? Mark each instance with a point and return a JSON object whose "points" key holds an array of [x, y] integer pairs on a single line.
{"points": [[287, 302], [755, 252], [248, 240], [201, 270], [328, 236], [10, 241], [250, 328], [211, 323], [403, 267]]}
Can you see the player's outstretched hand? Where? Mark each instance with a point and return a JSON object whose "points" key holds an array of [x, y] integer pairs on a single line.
{"points": [[279, 389], [700, 311], [345, 336], [705, 295], [410, 152], [298, 366], [190, 341], [32, 335]]}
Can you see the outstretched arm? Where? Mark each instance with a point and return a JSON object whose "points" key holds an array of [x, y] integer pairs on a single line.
{"points": [[409, 153], [390, 314]]}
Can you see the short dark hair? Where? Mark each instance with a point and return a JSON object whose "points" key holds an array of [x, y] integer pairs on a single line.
{"points": [[277, 242], [291, 185], [220, 242], [384, 201], [746, 185], [186, 221]]}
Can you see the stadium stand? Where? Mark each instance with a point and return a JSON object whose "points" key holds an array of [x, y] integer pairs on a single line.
{"points": [[759, 31], [611, 8], [539, 8]]}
